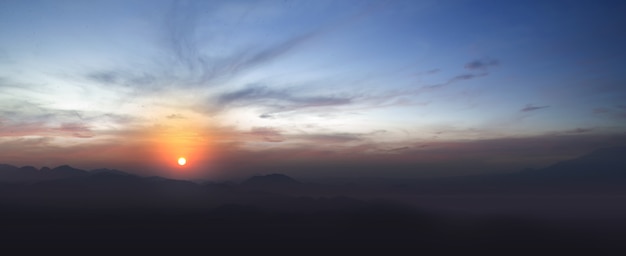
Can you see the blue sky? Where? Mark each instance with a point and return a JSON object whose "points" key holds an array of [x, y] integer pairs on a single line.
{"points": [[405, 84]]}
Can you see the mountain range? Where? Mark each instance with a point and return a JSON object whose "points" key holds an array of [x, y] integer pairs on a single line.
{"points": [[601, 169], [65, 206]]}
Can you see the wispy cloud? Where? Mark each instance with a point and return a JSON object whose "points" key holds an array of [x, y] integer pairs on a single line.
{"points": [[466, 77], [175, 116], [617, 112], [482, 64], [126, 78], [331, 138], [267, 134], [433, 71], [276, 100], [21, 129], [187, 46], [398, 149], [28, 119], [188, 58], [531, 107], [579, 130], [476, 65], [79, 130], [184, 60]]}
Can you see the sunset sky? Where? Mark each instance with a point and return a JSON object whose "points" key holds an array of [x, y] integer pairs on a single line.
{"points": [[310, 88]]}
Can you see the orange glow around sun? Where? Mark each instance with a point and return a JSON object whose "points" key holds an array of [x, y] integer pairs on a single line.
{"points": [[181, 140]]}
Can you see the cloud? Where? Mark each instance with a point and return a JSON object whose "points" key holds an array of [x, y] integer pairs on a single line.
{"points": [[433, 71], [575, 131], [266, 116], [580, 130], [126, 78], [187, 47], [482, 64], [617, 112], [29, 144], [76, 129], [271, 134], [268, 134], [175, 116], [450, 81], [531, 107], [190, 37], [10, 82], [465, 77], [276, 100], [180, 30], [331, 138], [398, 149], [267, 54], [41, 128], [21, 118], [185, 61], [364, 100], [251, 94], [601, 110], [475, 66]]}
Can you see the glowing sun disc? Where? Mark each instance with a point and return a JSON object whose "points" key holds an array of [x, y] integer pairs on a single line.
{"points": [[182, 161]]}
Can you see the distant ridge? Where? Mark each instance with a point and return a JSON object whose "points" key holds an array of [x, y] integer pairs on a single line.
{"points": [[105, 171], [68, 170], [271, 180], [28, 168], [603, 164], [7, 168], [28, 174]]}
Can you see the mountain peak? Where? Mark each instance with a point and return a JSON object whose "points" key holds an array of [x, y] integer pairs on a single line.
{"points": [[28, 168], [67, 168]]}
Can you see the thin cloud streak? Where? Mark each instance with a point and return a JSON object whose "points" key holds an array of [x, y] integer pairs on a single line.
{"points": [[531, 107], [275, 100], [482, 64]]}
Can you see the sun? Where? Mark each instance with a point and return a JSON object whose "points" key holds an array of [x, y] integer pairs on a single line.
{"points": [[182, 161]]}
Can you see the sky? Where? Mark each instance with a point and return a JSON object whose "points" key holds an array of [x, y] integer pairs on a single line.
{"points": [[401, 89]]}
